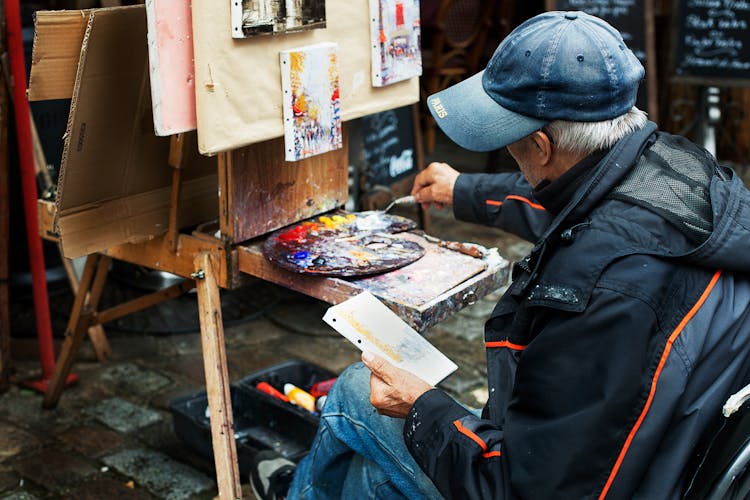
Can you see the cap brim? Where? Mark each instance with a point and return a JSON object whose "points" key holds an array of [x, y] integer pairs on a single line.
{"points": [[474, 121]]}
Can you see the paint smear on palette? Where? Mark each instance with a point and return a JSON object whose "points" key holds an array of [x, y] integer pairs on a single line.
{"points": [[344, 244], [312, 106], [438, 271]]}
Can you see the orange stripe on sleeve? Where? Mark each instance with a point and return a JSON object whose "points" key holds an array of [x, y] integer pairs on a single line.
{"points": [[525, 200], [505, 343], [496, 203], [466, 432], [655, 379]]}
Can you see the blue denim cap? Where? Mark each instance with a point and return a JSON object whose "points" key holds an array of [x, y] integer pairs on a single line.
{"points": [[555, 66]]}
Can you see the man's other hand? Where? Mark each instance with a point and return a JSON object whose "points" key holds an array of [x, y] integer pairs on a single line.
{"points": [[392, 390], [435, 185]]}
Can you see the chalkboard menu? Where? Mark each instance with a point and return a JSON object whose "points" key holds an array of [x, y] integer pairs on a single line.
{"points": [[631, 18], [388, 140], [713, 41]]}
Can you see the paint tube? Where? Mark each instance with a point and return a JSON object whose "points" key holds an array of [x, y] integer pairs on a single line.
{"points": [[301, 398], [271, 390], [321, 388]]}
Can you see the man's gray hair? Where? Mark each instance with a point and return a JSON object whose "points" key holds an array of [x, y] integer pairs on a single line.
{"points": [[587, 137]]}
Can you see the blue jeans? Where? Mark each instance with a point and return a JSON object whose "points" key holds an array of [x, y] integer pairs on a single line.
{"points": [[358, 453]]}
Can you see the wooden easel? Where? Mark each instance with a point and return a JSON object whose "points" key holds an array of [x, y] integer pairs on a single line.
{"points": [[210, 263], [258, 192], [199, 261]]}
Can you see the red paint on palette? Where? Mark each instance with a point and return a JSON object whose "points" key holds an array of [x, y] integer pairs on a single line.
{"points": [[297, 233]]}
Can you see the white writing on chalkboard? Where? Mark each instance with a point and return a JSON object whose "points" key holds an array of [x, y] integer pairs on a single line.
{"points": [[607, 9], [732, 5], [714, 38], [401, 164], [388, 139], [717, 62]]}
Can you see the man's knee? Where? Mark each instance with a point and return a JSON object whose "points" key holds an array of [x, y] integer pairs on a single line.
{"points": [[351, 390]]}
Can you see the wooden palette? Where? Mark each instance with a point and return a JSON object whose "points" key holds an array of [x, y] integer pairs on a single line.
{"points": [[344, 244]]}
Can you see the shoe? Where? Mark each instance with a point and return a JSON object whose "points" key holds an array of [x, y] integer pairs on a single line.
{"points": [[271, 475]]}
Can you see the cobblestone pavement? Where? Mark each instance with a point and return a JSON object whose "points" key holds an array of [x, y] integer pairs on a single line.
{"points": [[112, 434]]}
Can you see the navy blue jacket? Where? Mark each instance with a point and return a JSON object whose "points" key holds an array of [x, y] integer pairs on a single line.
{"points": [[620, 338]]}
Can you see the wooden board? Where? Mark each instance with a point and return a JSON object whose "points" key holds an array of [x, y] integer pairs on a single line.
{"points": [[261, 192], [406, 291]]}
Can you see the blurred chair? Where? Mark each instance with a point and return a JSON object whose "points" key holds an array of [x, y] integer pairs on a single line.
{"points": [[454, 47], [720, 470]]}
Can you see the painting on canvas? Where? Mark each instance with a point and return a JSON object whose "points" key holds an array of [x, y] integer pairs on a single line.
{"points": [[312, 109], [395, 33], [269, 17]]}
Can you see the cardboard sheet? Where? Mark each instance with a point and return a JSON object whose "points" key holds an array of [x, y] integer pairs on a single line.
{"points": [[238, 82], [170, 51], [57, 47], [114, 178]]}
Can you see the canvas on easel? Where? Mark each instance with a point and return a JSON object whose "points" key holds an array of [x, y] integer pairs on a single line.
{"points": [[272, 17], [312, 108], [395, 36]]}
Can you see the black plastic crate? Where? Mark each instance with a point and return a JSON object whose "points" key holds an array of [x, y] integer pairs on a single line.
{"points": [[258, 426], [303, 374], [261, 422]]}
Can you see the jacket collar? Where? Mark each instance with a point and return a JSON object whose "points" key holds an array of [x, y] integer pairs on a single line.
{"points": [[608, 173]]}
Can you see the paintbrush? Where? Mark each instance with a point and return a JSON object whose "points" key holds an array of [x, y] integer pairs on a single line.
{"points": [[404, 200], [470, 249]]}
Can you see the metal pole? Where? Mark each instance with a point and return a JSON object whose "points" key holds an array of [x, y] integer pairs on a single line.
{"points": [[28, 186]]}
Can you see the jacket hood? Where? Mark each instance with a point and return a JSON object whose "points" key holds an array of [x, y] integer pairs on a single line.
{"points": [[707, 203], [728, 244]]}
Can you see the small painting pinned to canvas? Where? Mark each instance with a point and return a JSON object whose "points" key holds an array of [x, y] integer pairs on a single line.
{"points": [[270, 17], [395, 30], [312, 109]]}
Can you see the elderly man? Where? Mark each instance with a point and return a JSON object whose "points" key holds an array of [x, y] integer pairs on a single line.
{"points": [[623, 331]]}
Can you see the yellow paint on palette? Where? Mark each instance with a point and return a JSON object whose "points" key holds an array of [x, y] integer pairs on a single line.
{"points": [[333, 222], [327, 222]]}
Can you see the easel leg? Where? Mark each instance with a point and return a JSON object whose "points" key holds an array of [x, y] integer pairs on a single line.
{"points": [[97, 337], [91, 285], [217, 379]]}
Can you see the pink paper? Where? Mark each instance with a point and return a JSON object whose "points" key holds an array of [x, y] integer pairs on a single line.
{"points": [[170, 50]]}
